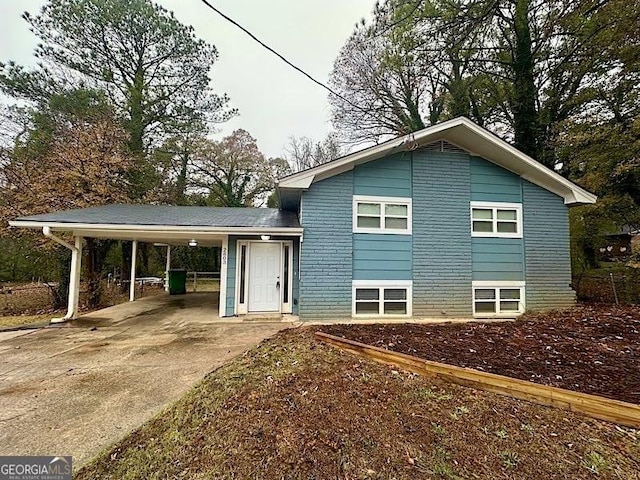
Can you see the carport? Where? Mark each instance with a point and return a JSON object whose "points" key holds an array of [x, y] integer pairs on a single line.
{"points": [[195, 226]]}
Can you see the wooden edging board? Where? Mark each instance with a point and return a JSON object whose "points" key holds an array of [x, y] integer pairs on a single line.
{"points": [[595, 406]]}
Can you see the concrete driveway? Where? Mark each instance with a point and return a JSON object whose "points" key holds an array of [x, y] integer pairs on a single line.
{"points": [[73, 389]]}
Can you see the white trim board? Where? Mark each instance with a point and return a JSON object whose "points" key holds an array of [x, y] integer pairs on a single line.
{"points": [[150, 229]]}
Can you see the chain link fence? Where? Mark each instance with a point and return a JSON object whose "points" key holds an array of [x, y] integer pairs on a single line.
{"points": [[619, 285]]}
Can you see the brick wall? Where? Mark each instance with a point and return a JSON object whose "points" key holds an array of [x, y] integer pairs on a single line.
{"points": [[325, 255]]}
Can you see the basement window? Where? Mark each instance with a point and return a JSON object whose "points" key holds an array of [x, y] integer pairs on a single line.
{"points": [[498, 299], [381, 299]]}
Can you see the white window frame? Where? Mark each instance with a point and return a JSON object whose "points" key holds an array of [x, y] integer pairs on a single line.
{"points": [[497, 286], [381, 285], [382, 201], [495, 206]]}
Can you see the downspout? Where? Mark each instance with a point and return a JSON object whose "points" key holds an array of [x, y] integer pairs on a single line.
{"points": [[75, 259], [46, 231]]}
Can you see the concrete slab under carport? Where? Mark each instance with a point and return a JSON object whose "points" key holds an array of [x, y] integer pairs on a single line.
{"points": [[74, 388]]}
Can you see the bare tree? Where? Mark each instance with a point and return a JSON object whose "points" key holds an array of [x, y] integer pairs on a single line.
{"points": [[303, 152], [233, 172]]}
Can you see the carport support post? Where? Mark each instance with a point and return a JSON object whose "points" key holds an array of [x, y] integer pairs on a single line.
{"points": [[167, 268], [222, 296], [74, 279], [132, 285]]}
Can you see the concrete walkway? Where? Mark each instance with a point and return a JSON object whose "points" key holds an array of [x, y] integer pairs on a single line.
{"points": [[75, 388]]}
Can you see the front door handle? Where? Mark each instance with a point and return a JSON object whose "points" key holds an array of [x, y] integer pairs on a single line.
{"points": [[278, 284]]}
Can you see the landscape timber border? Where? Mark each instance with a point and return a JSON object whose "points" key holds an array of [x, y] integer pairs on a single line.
{"points": [[602, 408]]}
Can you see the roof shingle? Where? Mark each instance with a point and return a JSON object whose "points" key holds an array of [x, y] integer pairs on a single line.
{"points": [[159, 215]]}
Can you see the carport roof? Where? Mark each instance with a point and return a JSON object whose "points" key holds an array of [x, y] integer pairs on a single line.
{"points": [[166, 215], [113, 221]]}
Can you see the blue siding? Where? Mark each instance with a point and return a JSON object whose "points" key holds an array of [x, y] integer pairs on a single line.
{"points": [[491, 183], [296, 276], [547, 254], [442, 269], [326, 259], [497, 258], [381, 257], [441, 256], [387, 177], [231, 276]]}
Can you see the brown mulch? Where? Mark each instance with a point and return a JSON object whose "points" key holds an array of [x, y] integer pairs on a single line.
{"points": [[591, 349], [295, 408]]}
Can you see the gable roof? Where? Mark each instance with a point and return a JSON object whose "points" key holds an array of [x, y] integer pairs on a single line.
{"points": [[462, 133]]}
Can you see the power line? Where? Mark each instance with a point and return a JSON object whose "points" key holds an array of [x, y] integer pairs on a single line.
{"points": [[281, 57]]}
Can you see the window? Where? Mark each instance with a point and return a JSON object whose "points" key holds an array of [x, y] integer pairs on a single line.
{"points": [[375, 298], [285, 274], [381, 215], [243, 270], [496, 219], [493, 299]]}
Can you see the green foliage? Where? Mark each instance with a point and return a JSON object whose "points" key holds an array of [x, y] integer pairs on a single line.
{"points": [[510, 459], [21, 260], [153, 69], [526, 65], [201, 259], [594, 462]]}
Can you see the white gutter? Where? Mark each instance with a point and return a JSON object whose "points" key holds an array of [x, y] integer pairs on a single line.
{"points": [[69, 226], [74, 283]]}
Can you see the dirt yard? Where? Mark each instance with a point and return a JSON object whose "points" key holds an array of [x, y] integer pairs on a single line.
{"points": [[32, 303], [295, 408], [591, 349]]}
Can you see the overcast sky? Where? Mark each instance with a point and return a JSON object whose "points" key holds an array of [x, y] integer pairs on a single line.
{"points": [[275, 101]]}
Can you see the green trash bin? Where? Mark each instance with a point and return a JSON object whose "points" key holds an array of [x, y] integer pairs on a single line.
{"points": [[177, 282]]}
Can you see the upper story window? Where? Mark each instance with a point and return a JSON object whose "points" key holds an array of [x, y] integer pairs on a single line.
{"points": [[381, 214], [495, 219]]}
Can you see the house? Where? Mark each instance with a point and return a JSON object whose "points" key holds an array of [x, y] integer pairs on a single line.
{"points": [[619, 246], [450, 221]]}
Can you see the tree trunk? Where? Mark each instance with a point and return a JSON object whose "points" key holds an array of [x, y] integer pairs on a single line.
{"points": [[136, 115], [459, 91], [94, 264], [181, 181], [135, 129], [524, 95], [125, 267], [61, 293]]}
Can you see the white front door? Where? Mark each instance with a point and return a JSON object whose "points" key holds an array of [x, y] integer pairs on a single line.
{"points": [[264, 277]]}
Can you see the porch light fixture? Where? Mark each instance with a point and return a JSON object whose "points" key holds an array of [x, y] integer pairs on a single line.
{"points": [[265, 237], [193, 242]]}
